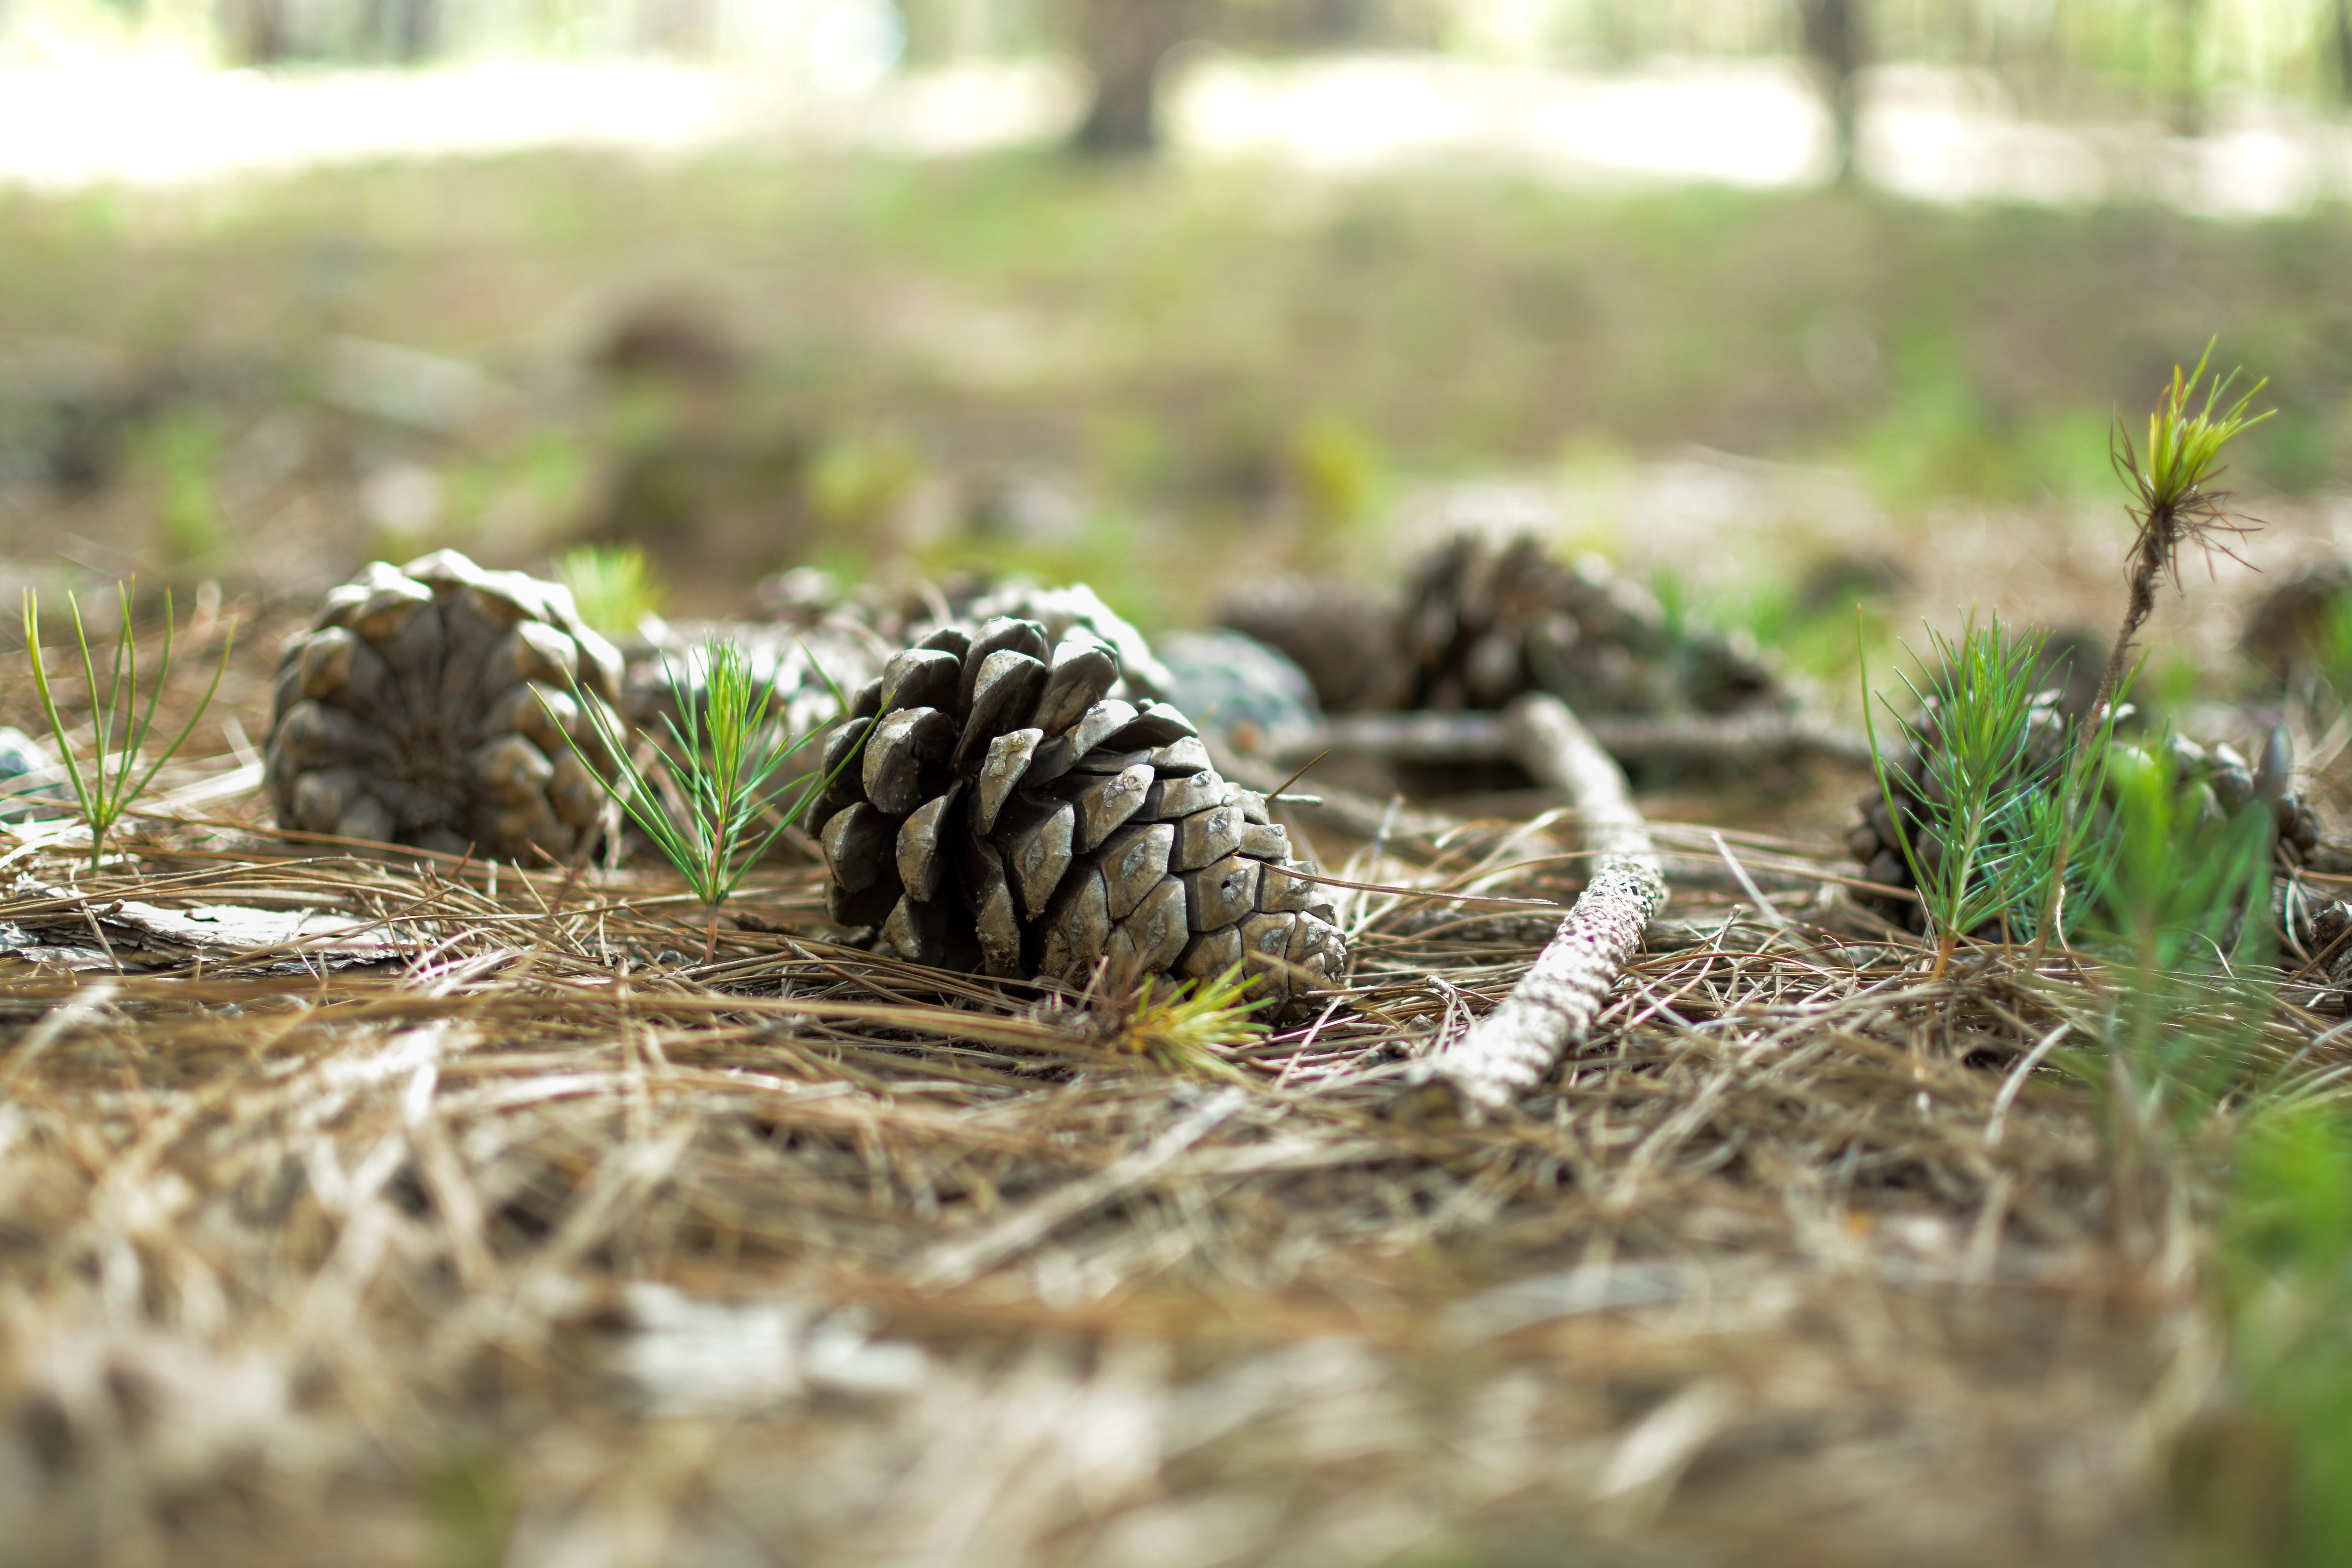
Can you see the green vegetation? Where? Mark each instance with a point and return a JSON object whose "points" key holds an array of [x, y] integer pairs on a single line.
{"points": [[2172, 499], [2284, 1278], [1185, 1030], [613, 587], [721, 769], [1998, 784], [120, 768], [2171, 895], [183, 456], [470, 1500]]}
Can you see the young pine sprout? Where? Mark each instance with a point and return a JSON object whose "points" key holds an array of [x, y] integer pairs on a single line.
{"points": [[2173, 498], [1988, 807], [1183, 1030], [722, 767], [120, 767]]}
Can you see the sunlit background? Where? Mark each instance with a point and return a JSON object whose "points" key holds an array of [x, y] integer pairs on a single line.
{"points": [[1784, 304]]}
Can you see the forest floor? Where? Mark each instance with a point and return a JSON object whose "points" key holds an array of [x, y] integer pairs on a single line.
{"points": [[398, 1210]]}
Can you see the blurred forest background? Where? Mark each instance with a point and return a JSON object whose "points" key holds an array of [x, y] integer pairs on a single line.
{"points": [[1787, 303]]}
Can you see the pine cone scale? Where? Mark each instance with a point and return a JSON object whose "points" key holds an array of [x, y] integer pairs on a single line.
{"points": [[1009, 756], [1082, 672], [1134, 862], [1104, 801], [1221, 892], [1207, 837], [906, 756]]}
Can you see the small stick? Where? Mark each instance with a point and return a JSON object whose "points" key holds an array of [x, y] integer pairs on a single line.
{"points": [[1505, 1054]]}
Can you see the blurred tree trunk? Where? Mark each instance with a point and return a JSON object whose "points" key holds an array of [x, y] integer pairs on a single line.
{"points": [[254, 32], [2343, 40], [1833, 42], [405, 30], [2187, 101], [1123, 42]]}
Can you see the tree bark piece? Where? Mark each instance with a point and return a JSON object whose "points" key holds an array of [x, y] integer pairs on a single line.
{"points": [[1508, 1052]]}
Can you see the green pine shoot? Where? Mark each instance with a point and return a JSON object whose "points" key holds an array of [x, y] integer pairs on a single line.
{"points": [[2172, 494], [1999, 820], [721, 767], [120, 768], [1184, 1030]]}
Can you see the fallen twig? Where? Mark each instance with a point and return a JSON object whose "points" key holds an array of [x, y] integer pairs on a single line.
{"points": [[1507, 1053]]}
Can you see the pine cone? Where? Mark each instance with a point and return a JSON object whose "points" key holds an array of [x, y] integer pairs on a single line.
{"points": [[806, 596], [1246, 691], [1343, 635], [1009, 815], [1483, 626], [1477, 626], [429, 705]]}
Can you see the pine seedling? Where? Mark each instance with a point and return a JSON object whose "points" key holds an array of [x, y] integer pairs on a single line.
{"points": [[722, 767], [1183, 1030], [1995, 816], [613, 587], [2183, 883], [2173, 498], [120, 767]]}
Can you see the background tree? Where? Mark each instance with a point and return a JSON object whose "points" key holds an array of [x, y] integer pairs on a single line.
{"points": [[2341, 37], [1123, 42], [2188, 96], [1833, 34], [254, 32]]}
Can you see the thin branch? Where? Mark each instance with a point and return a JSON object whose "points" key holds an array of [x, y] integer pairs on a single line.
{"points": [[1508, 1052]]}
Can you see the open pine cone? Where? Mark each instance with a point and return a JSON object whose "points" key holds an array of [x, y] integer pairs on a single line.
{"points": [[1007, 814], [1477, 625], [429, 705], [1482, 625]]}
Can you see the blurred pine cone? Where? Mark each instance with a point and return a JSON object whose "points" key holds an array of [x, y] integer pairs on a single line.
{"points": [[1478, 626], [1008, 815], [430, 705], [1483, 624], [1344, 634], [806, 596]]}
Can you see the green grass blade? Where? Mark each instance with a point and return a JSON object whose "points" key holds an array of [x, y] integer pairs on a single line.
{"points": [[50, 704]]}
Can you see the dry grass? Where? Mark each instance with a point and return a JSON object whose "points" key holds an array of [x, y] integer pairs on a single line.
{"points": [[545, 1243]]}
